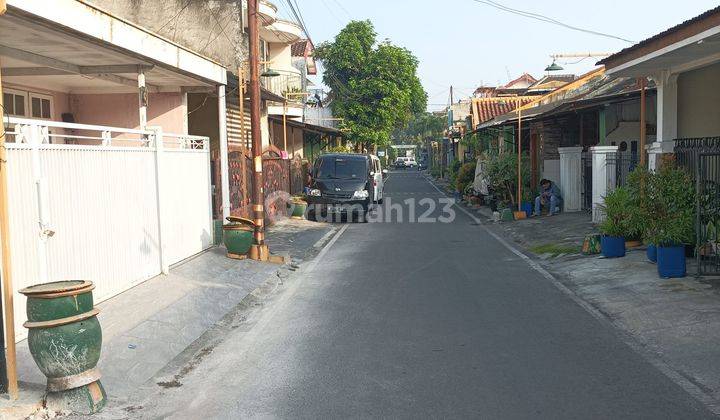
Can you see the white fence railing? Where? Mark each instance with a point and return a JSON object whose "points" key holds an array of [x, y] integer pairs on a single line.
{"points": [[111, 205]]}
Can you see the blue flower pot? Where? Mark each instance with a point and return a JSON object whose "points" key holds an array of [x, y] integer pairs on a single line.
{"points": [[527, 208], [612, 246], [651, 253], [671, 261]]}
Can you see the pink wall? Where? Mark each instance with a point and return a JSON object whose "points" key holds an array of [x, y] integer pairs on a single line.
{"points": [[112, 109], [121, 110], [61, 101]]}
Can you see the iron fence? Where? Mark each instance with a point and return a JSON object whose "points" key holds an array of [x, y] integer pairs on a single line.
{"points": [[701, 157], [587, 171], [687, 151], [624, 163], [707, 217]]}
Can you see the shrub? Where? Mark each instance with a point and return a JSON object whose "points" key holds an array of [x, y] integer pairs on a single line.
{"points": [[671, 207], [643, 196], [618, 211], [465, 177], [501, 174]]}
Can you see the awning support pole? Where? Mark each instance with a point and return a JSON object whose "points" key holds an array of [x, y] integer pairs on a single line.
{"points": [[7, 281]]}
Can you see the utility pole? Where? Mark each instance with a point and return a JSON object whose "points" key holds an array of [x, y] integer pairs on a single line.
{"points": [[258, 251], [243, 132], [7, 304], [451, 95]]}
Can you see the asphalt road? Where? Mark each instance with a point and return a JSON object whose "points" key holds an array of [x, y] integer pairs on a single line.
{"points": [[424, 320]]}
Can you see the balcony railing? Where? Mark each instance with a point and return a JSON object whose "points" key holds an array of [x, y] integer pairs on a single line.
{"points": [[25, 130], [288, 85]]}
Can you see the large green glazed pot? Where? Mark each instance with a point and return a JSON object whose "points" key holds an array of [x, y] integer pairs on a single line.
{"points": [[68, 349], [238, 238], [65, 339], [76, 300], [299, 208]]}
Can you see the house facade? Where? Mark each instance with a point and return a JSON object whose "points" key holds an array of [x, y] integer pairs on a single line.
{"points": [[105, 180], [684, 64]]}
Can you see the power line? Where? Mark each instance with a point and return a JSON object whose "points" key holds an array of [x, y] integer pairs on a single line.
{"points": [[207, 96], [299, 19], [343, 9], [331, 12], [302, 19], [544, 18], [222, 32], [174, 18]]}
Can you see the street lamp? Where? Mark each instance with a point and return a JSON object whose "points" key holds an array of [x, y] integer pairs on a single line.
{"points": [[270, 73], [554, 67]]}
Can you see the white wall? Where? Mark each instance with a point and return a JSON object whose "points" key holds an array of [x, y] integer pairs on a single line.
{"points": [[102, 204]]}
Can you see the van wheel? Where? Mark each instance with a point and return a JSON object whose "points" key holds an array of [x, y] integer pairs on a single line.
{"points": [[382, 200]]}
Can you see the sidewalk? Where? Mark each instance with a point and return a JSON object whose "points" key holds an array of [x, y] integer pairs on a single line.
{"points": [[152, 324], [674, 323]]}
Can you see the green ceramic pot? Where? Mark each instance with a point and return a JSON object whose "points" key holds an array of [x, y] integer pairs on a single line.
{"points": [[67, 349], [64, 299], [299, 209], [238, 238], [65, 338]]}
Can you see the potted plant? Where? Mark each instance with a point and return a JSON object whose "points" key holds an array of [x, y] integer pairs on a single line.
{"points": [[709, 235], [298, 206], [643, 198], [527, 203], [617, 210], [673, 223]]}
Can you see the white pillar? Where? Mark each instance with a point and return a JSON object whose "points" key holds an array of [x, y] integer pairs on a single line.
{"points": [[667, 91], [142, 98], [160, 194], [224, 165], [603, 177], [654, 151], [667, 110], [571, 177]]}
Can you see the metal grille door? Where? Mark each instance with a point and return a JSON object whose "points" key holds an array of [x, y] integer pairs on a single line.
{"points": [[707, 226]]}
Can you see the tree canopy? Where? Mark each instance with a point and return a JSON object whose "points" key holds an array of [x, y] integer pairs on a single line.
{"points": [[421, 127], [375, 85]]}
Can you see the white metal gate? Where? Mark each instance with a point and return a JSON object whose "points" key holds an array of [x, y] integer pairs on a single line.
{"points": [[116, 210]]}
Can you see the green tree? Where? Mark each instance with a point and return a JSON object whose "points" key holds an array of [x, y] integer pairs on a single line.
{"points": [[421, 127], [375, 85]]}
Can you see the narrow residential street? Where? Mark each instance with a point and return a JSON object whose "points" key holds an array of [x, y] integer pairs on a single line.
{"points": [[420, 320]]}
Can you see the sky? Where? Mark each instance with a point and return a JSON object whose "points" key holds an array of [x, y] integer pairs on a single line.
{"points": [[465, 43]]}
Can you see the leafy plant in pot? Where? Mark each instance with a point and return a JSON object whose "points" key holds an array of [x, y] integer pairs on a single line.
{"points": [[619, 218], [672, 225], [643, 196], [501, 173], [709, 234]]}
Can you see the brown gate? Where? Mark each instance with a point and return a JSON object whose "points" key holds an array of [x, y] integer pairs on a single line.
{"points": [[297, 175], [276, 178]]}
